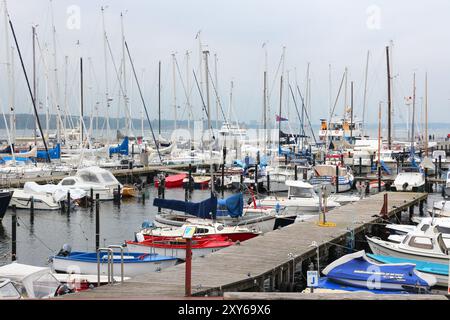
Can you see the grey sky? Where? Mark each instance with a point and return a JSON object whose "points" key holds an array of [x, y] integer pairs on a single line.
{"points": [[319, 32]]}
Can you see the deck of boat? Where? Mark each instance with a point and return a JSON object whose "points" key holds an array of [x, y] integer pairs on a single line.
{"points": [[270, 256]]}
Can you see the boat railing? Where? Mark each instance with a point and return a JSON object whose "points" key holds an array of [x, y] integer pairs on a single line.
{"points": [[121, 259], [110, 253]]}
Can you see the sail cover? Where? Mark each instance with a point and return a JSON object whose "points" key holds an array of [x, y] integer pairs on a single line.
{"points": [[200, 209], [234, 205], [54, 153], [121, 149]]}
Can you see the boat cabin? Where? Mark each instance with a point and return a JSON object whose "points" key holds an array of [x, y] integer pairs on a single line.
{"points": [[300, 189], [91, 175]]}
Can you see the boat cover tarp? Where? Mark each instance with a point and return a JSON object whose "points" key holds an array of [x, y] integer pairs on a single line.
{"points": [[54, 153], [57, 191], [121, 148], [356, 266], [234, 205], [326, 283], [199, 209], [424, 266]]}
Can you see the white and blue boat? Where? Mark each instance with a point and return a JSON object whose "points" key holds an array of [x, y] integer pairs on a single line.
{"points": [[134, 263], [440, 271], [357, 270]]}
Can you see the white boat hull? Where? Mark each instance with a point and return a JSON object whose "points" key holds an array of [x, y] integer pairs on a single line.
{"points": [[130, 269], [177, 253]]}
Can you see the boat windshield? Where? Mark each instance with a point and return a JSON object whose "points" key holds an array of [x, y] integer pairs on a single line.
{"points": [[8, 290], [302, 192], [89, 177], [45, 286], [108, 177], [441, 244]]}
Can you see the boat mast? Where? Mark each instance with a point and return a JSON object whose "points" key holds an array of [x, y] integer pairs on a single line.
{"points": [[33, 28], [124, 86], [351, 112], [426, 114], [81, 102], [216, 89], [281, 97], [379, 135], [206, 53], [105, 39], [10, 81], [58, 127], [365, 95], [389, 98], [265, 111], [413, 114], [188, 103], [159, 100], [174, 91]]}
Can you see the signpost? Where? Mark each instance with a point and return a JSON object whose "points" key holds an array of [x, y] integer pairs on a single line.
{"points": [[188, 234], [312, 279]]}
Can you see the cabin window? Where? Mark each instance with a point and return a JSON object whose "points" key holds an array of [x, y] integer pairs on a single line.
{"points": [[87, 177], [405, 240], [301, 192], [443, 229], [68, 182], [201, 230], [421, 242], [425, 227], [108, 177]]}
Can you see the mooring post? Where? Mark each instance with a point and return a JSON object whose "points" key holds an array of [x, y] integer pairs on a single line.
{"points": [[337, 179], [421, 208], [32, 205], [314, 160], [295, 173], [223, 170], [440, 165], [360, 166], [379, 178], [241, 183], [97, 221], [92, 198], [371, 162], [188, 271], [268, 183], [68, 201], [14, 236], [256, 178], [190, 179], [427, 187], [411, 211], [305, 174], [285, 159], [384, 209]]}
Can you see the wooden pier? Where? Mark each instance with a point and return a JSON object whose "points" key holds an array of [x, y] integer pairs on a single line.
{"points": [[270, 258]]}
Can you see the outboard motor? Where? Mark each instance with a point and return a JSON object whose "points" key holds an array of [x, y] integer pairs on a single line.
{"points": [[405, 185], [65, 250]]}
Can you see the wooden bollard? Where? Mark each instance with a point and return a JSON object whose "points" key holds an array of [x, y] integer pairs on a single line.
{"points": [[14, 237], [32, 205], [97, 221], [68, 201]]}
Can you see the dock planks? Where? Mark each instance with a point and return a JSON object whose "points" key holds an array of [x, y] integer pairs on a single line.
{"points": [[240, 267]]}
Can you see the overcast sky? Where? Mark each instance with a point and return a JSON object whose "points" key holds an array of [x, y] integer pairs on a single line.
{"points": [[320, 33]]}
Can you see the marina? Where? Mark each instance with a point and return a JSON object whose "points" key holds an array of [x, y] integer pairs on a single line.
{"points": [[180, 164]]}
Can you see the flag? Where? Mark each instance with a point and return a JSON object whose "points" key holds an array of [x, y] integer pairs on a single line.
{"points": [[281, 118]]}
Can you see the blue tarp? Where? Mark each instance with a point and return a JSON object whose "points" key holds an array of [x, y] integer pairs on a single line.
{"points": [[200, 209], [234, 205], [362, 270], [25, 160], [121, 148], [54, 153]]}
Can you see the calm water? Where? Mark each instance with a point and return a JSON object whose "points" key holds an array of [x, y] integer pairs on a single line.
{"points": [[39, 238]]}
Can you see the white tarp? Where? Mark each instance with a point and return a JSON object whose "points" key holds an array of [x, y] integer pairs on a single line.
{"points": [[57, 191]]}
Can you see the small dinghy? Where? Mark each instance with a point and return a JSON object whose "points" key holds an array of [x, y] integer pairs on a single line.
{"points": [[174, 181], [133, 263], [357, 270]]}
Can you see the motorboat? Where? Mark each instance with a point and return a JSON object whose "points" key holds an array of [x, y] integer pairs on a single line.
{"points": [[203, 229], [176, 247], [134, 263], [100, 181], [44, 197], [230, 212], [326, 174], [8, 290], [31, 281], [357, 270], [197, 182], [439, 271], [410, 179], [301, 198], [425, 245], [440, 209]]}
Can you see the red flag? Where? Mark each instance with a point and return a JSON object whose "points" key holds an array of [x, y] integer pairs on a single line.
{"points": [[281, 118]]}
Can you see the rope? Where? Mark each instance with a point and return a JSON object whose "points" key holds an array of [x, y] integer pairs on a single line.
{"points": [[40, 240]]}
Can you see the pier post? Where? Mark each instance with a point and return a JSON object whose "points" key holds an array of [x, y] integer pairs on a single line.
{"points": [[367, 191], [427, 188], [314, 160], [379, 178], [360, 166], [268, 183], [385, 209], [32, 205], [256, 178], [295, 173], [440, 166], [285, 159], [305, 174], [190, 186], [241, 184], [337, 179], [97, 221], [68, 201], [14, 236], [421, 208], [223, 170], [92, 198], [411, 211], [371, 162], [187, 284]]}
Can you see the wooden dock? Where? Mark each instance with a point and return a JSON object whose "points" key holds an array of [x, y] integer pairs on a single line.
{"points": [[272, 257]]}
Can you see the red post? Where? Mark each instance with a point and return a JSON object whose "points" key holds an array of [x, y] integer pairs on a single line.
{"points": [[187, 284]]}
